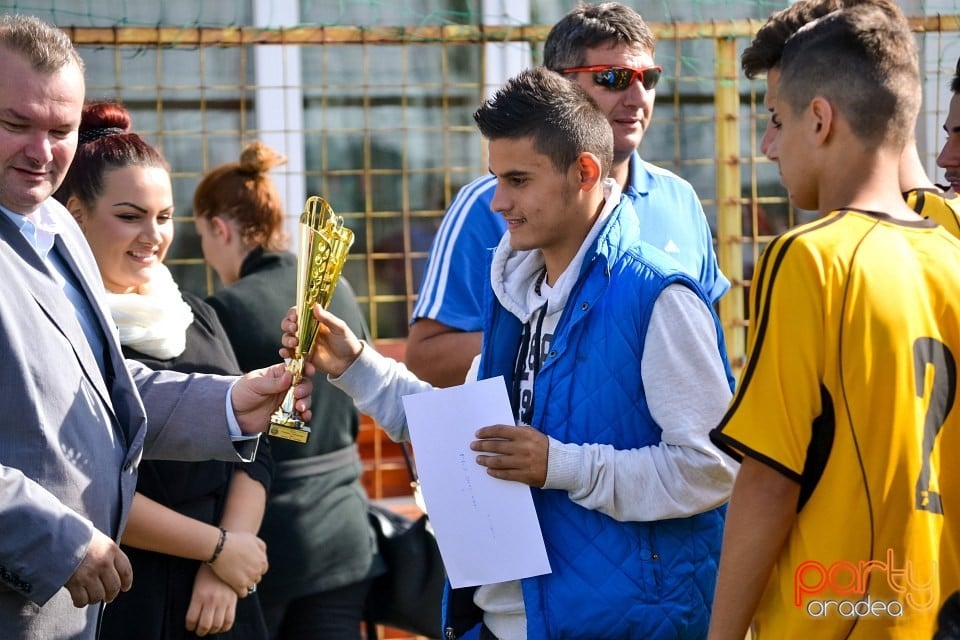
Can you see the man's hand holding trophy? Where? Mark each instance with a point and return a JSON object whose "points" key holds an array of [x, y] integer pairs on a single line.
{"points": [[323, 246]]}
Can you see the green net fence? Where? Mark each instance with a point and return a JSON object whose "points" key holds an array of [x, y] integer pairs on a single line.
{"points": [[374, 13], [372, 100]]}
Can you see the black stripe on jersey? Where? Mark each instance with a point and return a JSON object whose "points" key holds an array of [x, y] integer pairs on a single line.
{"points": [[775, 253], [761, 313], [818, 451], [918, 204], [736, 450]]}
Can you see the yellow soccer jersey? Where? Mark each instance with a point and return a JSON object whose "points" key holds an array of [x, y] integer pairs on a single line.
{"points": [[934, 205], [849, 383]]}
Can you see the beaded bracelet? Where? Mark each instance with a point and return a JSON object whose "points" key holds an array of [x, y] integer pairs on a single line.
{"points": [[220, 543]]}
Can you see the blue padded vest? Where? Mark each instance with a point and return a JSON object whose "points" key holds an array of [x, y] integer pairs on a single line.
{"points": [[610, 579]]}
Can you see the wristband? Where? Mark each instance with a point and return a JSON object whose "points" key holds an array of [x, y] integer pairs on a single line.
{"points": [[220, 543]]}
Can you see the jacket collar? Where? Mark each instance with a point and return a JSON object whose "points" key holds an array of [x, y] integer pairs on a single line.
{"points": [[639, 179], [39, 283], [260, 260]]}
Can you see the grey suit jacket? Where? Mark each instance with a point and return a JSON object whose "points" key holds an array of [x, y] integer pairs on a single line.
{"points": [[71, 437]]}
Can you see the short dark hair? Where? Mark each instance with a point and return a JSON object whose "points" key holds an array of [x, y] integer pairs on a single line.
{"points": [[863, 62], [588, 26], [560, 117], [766, 49], [955, 83]]}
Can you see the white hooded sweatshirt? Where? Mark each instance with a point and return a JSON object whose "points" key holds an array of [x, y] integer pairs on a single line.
{"points": [[683, 379]]}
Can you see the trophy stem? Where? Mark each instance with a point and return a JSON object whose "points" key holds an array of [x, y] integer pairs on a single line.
{"points": [[286, 422]]}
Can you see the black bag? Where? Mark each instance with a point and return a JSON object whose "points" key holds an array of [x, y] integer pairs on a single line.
{"points": [[409, 595]]}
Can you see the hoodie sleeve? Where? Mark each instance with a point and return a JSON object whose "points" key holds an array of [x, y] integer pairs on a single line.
{"points": [[687, 393], [377, 385]]}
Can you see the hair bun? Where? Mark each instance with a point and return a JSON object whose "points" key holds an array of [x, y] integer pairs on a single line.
{"points": [[259, 158], [109, 117]]}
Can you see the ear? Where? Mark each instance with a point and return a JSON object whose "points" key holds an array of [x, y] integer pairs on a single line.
{"points": [[76, 209], [588, 170], [221, 228], [822, 114]]}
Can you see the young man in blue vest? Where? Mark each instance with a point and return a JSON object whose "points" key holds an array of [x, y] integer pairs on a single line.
{"points": [[616, 369]]}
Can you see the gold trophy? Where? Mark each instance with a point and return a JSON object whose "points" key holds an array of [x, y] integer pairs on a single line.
{"points": [[324, 243]]}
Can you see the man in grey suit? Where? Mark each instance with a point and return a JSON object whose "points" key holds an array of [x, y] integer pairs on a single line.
{"points": [[74, 422]]}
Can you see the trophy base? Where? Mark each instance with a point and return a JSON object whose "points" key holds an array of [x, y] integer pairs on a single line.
{"points": [[289, 429]]}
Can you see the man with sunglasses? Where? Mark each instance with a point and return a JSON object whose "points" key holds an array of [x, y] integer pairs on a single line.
{"points": [[608, 50]]}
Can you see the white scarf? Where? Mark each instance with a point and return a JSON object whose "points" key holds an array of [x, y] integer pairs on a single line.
{"points": [[154, 323]]}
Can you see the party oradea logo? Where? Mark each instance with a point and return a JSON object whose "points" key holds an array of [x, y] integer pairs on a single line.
{"points": [[842, 588]]}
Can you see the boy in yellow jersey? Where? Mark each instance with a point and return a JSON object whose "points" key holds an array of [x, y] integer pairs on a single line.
{"points": [[949, 617], [949, 157], [941, 203], [763, 57], [834, 526], [938, 203]]}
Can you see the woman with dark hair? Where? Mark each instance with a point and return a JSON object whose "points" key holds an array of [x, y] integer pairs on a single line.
{"points": [[192, 526], [319, 542]]}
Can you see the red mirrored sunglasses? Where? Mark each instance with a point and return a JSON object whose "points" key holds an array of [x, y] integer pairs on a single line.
{"points": [[619, 78]]}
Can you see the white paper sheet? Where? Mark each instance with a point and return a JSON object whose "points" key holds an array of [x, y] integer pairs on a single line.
{"points": [[487, 529]]}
